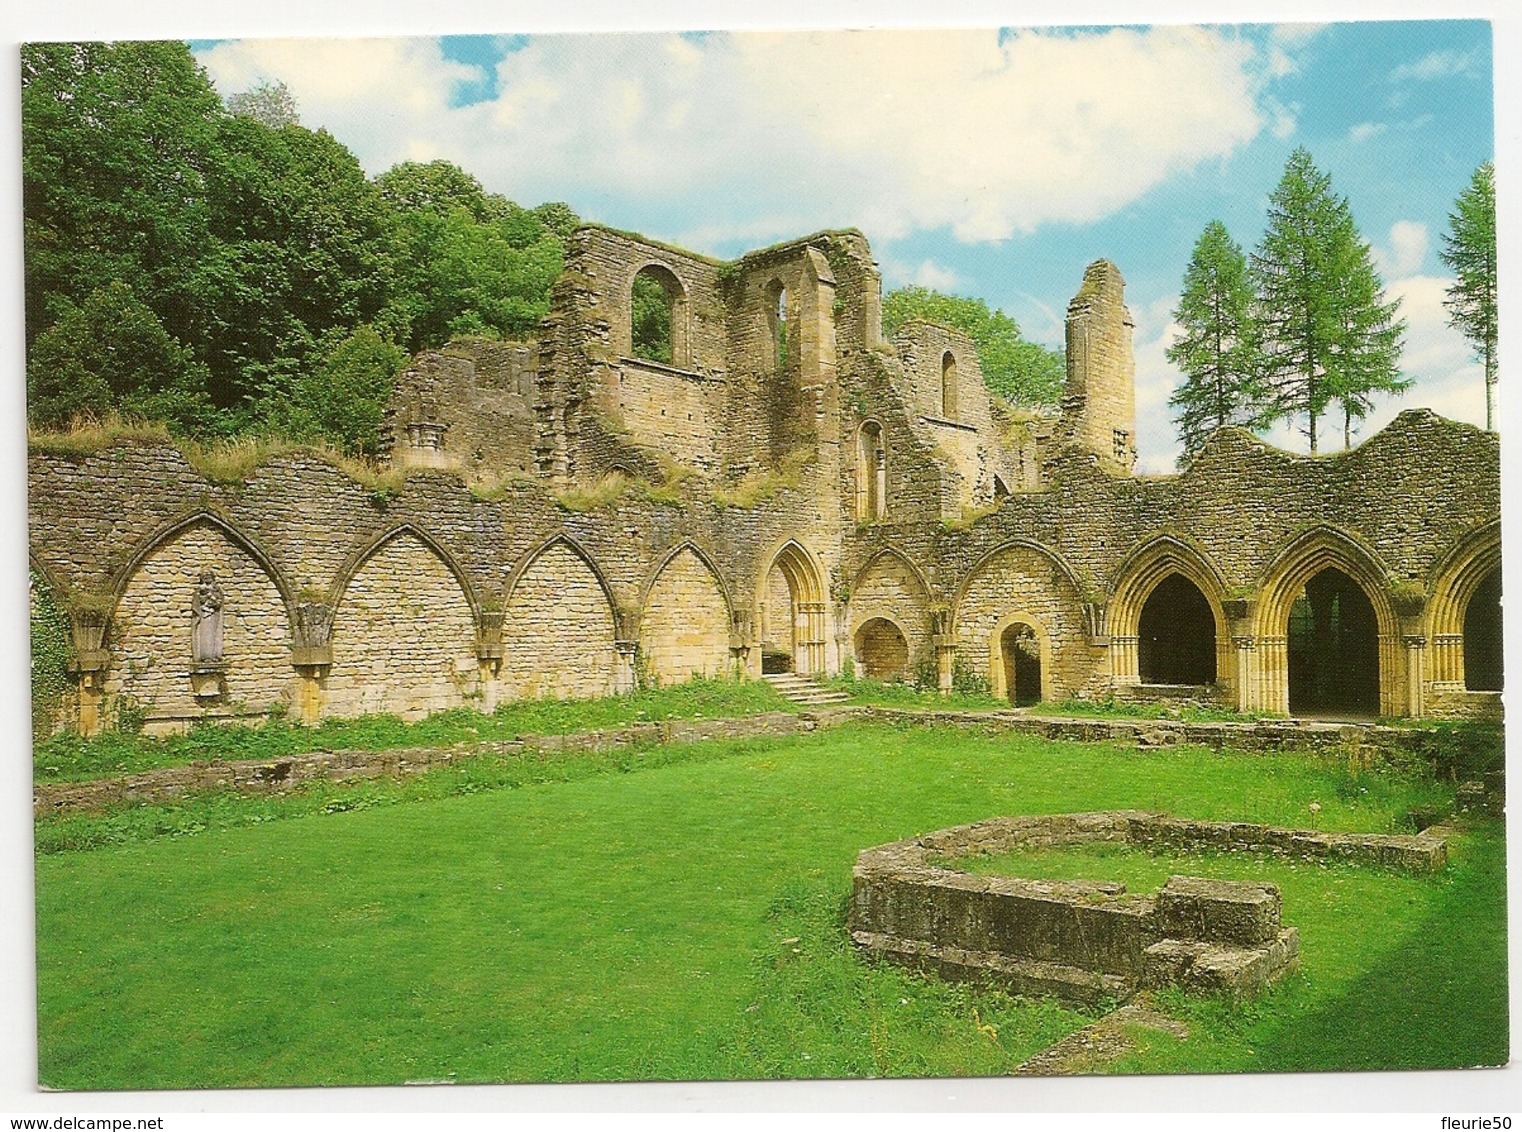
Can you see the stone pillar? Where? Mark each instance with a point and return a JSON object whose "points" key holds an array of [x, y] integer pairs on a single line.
{"points": [[88, 667], [1447, 659], [312, 657], [489, 655], [1273, 674], [1415, 646], [624, 681], [741, 645], [1247, 677], [1124, 668], [880, 458], [812, 631], [945, 643]]}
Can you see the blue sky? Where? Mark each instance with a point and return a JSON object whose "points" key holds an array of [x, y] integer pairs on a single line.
{"points": [[989, 163]]}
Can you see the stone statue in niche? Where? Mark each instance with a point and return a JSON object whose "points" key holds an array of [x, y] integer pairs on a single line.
{"points": [[206, 620]]}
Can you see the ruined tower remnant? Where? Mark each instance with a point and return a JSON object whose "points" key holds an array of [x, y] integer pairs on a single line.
{"points": [[1099, 404]]}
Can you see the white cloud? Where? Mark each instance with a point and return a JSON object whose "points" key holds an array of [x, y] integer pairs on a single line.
{"points": [[1436, 65], [1157, 440], [893, 131], [1406, 251], [1366, 130]]}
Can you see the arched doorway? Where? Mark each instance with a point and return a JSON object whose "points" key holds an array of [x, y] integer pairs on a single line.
{"points": [[882, 650], [1333, 648], [1482, 636], [792, 615], [1176, 635], [1020, 650]]}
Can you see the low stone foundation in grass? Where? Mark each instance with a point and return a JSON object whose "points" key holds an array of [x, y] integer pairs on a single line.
{"points": [[1087, 941]]}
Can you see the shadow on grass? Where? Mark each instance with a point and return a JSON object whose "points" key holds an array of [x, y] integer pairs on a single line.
{"points": [[1437, 1000]]}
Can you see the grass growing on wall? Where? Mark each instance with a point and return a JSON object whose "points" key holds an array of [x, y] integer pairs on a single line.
{"points": [[68, 757], [685, 919]]}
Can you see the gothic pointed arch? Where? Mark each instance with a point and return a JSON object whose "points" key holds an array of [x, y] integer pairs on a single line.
{"points": [[404, 628], [890, 587], [151, 636], [1463, 613], [1023, 579], [559, 625], [791, 611], [686, 617], [1167, 619], [1337, 591]]}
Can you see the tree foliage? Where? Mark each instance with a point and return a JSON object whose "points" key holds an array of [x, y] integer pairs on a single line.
{"points": [[1469, 250], [650, 319], [1018, 370], [223, 268], [1217, 349], [1327, 335]]}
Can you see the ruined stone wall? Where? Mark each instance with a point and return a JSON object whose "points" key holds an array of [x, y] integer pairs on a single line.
{"points": [[890, 587], [685, 624], [1099, 403], [559, 630], [404, 637], [469, 406]]}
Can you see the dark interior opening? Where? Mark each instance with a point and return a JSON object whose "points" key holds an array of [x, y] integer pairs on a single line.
{"points": [[1333, 648], [1022, 665], [1176, 635], [1482, 636]]}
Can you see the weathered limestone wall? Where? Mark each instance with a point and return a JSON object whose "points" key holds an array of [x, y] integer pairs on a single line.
{"points": [[891, 588], [404, 637], [1022, 585], [685, 627], [559, 630], [151, 631]]}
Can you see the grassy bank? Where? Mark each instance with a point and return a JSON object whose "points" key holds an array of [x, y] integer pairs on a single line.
{"points": [[680, 915]]}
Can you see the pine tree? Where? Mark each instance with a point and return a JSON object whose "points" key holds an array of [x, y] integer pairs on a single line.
{"points": [[1326, 333], [1469, 249], [1218, 349]]}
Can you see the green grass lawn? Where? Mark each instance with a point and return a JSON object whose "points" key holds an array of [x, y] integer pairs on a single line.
{"points": [[674, 915]]}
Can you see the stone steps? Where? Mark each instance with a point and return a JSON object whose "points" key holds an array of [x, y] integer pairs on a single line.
{"points": [[803, 691]]}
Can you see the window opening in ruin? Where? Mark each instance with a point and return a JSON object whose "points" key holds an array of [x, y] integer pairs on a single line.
{"points": [[1333, 646], [1176, 635], [882, 650], [1000, 491], [1482, 636], [1021, 652], [777, 324], [949, 386], [871, 472], [652, 305]]}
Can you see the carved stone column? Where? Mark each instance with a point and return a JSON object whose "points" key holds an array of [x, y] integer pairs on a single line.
{"points": [[312, 657], [1416, 645], [1247, 676], [741, 644], [944, 642], [624, 680]]}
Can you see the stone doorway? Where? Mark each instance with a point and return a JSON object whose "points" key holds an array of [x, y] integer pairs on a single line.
{"points": [[1176, 635], [1333, 646], [1482, 636], [1021, 652]]}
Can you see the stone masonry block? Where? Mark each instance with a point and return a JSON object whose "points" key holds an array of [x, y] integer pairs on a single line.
{"points": [[1219, 911]]}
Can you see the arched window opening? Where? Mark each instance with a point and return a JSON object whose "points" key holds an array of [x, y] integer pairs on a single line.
{"points": [[882, 650], [1021, 652], [652, 310], [871, 473], [1333, 644], [949, 386], [1482, 636], [1176, 635], [777, 324]]}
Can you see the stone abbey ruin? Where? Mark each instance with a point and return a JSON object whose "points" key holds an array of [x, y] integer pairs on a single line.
{"points": [[787, 492]]}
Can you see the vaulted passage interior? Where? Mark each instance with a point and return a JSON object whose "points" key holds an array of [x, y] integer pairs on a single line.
{"points": [[1482, 636], [1021, 651], [1176, 635], [1333, 644], [882, 650]]}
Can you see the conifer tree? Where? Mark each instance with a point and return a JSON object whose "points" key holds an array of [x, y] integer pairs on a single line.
{"points": [[1469, 250], [1326, 333], [1218, 349]]}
